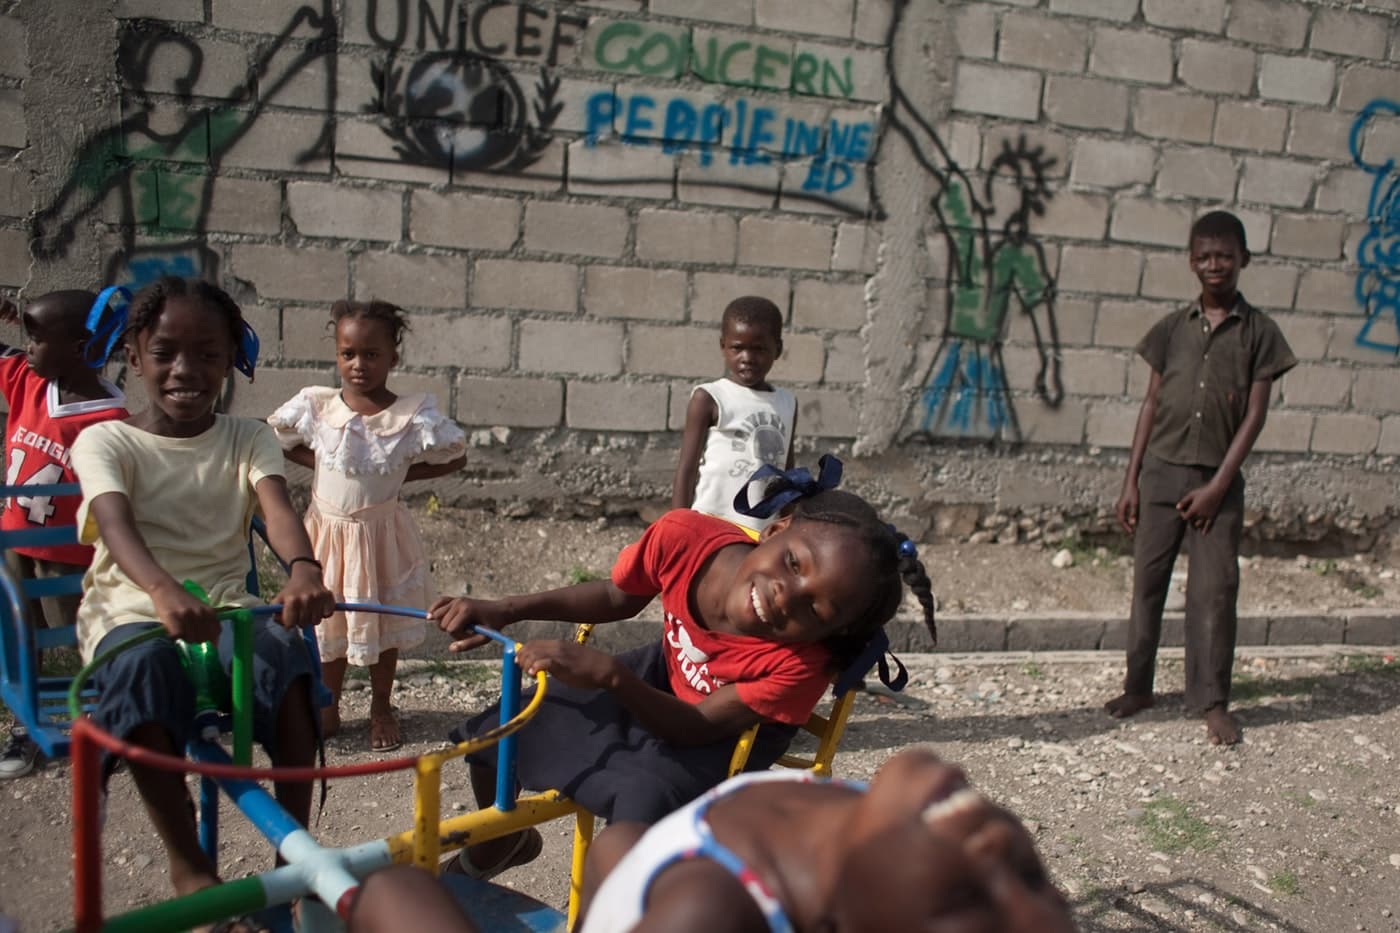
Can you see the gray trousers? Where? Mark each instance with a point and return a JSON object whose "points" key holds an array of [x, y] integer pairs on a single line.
{"points": [[1211, 586]]}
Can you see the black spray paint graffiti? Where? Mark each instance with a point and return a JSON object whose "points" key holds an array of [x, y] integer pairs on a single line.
{"points": [[993, 271], [164, 178]]}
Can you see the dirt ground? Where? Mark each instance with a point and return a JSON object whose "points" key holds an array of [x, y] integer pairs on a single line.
{"points": [[1143, 824]]}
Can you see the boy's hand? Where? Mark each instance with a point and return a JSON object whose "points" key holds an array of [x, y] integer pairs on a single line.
{"points": [[1199, 506], [1128, 508], [457, 616], [304, 598], [570, 662], [184, 616]]}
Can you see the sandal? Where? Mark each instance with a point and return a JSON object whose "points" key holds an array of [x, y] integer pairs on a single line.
{"points": [[528, 846], [384, 733]]}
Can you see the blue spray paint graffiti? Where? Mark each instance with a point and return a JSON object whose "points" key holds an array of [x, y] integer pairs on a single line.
{"points": [[753, 134], [1378, 281]]}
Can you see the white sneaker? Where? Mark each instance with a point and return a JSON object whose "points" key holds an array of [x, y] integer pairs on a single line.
{"points": [[19, 755]]}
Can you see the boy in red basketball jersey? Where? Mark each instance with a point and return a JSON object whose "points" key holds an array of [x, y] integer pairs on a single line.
{"points": [[53, 393]]}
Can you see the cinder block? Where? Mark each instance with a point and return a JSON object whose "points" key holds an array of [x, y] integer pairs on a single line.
{"points": [[1216, 67], [464, 221], [996, 91], [329, 210], [236, 205], [958, 633], [827, 413], [364, 150], [1306, 629], [1344, 33], [654, 294], [1345, 190], [1269, 22], [1312, 386], [287, 272], [223, 72], [1167, 275], [180, 11], [544, 174], [1361, 84], [516, 403], [1321, 134], [412, 281], [576, 229], [1342, 344], [615, 169], [14, 50], [737, 12], [817, 17], [1074, 214], [14, 133], [1148, 220], [1086, 102], [1193, 15], [1114, 270], [1270, 284], [438, 385], [1306, 334], [857, 249], [307, 334], [1053, 149], [1337, 433], [1074, 319], [975, 31], [1252, 630], [670, 351], [1286, 432], [269, 16], [1111, 163], [1111, 423], [1174, 115], [1308, 236], [1123, 323], [713, 291], [1041, 424], [1323, 288], [585, 347], [830, 306], [302, 78], [787, 244], [1281, 182], [803, 192], [278, 141], [1094, 372], [615, 406], [873, 20], [865, 78], [1045, 43], [14, 257], [1389, 444], [803, 359], [1247, 125], [1295, 79], [1132, 55], [1372, 627], [686, 236], [16, 199], [845, 363], [529, 286], [1377, 390], [461, 341], [260, 398], [720, 181], [1121, 11], [1054, 632]]}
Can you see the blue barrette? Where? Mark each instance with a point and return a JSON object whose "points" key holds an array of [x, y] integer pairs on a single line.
{"points": [[786, 486], [245, 360], [105, 321], [907, 549]]}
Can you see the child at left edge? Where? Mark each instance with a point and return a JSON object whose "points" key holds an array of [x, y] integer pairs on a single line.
{"points": [[168, 496], [55, 389], [365, 442]]}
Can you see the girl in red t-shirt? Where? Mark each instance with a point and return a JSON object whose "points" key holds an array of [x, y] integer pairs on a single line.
{"points": [[753, 634]]}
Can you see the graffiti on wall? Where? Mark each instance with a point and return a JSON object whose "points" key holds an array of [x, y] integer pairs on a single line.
{"points": [[994, 270], [162, 173], [1378, 253]]}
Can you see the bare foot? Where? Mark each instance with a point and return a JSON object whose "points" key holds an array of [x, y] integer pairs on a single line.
{"points": [[330, 721], [1121, 707], [1221, 727], [384, 734]]}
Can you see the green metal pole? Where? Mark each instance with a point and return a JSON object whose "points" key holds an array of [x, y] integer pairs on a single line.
{"points": [[243, 687], [230, 899]]}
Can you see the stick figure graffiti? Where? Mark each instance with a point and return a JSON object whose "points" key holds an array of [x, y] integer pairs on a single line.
{"points": [[164, 178], [1378, 254]]}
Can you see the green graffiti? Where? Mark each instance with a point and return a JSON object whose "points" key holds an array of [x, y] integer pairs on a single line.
{"points": [[980, 303]]}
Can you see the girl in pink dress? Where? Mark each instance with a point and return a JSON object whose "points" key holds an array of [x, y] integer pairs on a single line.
{"points": [[364, 442]]}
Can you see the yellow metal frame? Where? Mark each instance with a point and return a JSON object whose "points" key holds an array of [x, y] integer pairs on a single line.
{"points": [[828, 729]]}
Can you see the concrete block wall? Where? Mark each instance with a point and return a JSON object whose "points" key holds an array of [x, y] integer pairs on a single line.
{"points": [[564, 195]]}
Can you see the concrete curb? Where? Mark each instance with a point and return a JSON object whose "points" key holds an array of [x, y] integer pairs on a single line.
{"points": [[1057, 631]]}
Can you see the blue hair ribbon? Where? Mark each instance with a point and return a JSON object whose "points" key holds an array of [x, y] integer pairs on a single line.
{"points": [[245, 359], [105, 321], [787, 486]]}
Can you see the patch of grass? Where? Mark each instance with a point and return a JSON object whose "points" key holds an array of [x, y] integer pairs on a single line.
{"points": [[1325, 568], [577, 575], [60, 662], [1299, 798], [1369, 664], [1034, 671], [461, 672], [1246, 687], [1284, 882], [1171, 828]]}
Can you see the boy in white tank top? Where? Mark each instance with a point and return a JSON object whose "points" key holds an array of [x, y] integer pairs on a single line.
{"points": [[737, 424]]}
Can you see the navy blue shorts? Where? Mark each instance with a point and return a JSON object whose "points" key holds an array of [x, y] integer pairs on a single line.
{"points": [[588, 746], [148, 684]]}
